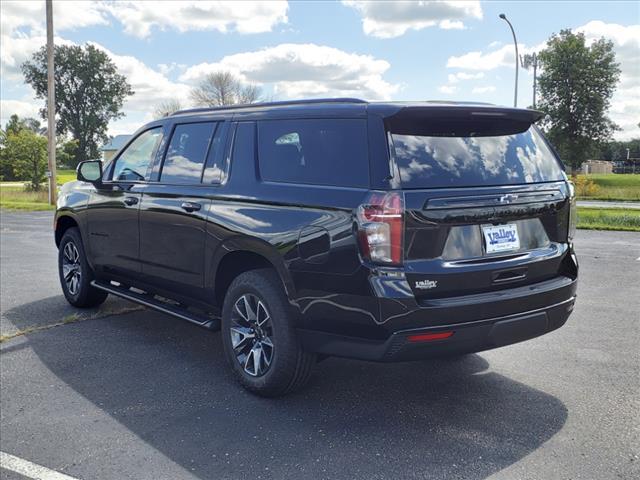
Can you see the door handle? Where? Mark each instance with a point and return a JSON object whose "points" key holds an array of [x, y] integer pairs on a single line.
{"points": [[191, 207], [130, 200]]}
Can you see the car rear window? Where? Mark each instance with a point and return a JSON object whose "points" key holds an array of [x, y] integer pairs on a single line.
{"points": [[463, 161], [314, 151]]}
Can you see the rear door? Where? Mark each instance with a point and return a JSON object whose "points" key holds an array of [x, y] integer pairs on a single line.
{"points": [[174, 210], [487, 205]]}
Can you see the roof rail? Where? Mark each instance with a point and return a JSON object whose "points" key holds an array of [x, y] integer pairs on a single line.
{"points": [[268, 104]]}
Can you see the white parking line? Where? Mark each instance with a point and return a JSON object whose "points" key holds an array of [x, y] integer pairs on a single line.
{"points": [[29, 469]]}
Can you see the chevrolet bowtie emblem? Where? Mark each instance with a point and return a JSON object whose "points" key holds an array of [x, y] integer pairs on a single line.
{"points": [[508, 198]]}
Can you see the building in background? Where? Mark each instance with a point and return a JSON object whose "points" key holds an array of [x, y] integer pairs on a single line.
{"points": [[110, 148], [597, 166]]}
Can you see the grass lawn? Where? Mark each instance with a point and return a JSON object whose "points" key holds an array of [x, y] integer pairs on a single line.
{"points": [[615, 186], [609, 219], [64, 176], [14, 197]]}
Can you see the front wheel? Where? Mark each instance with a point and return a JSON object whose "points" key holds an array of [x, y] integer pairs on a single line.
{"points": [[75, 273], [259, 337]]}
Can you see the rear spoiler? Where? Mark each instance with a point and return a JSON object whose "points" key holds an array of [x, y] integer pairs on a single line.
{"points": [[460, 120]]}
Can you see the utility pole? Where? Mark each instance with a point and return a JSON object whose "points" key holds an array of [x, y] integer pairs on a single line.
{"points": [[51, 108], [515, 43], [531, 60]]}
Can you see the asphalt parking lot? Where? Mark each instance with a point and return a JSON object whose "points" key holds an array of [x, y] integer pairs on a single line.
{"points": [[123, 392]]}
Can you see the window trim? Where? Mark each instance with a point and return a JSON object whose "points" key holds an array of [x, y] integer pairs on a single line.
{"points": [[227, 131], [109, 174]]}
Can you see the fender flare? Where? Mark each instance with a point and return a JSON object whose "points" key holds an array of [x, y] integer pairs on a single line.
{"points": [[255, 246]]}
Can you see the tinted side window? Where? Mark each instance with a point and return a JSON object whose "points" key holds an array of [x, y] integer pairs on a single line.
{"points": [[316, 151], [132, 164], [187, 152]]}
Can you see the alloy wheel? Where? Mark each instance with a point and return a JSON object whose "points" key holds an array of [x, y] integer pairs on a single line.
{"points": [[251, 335], [71, 268]]}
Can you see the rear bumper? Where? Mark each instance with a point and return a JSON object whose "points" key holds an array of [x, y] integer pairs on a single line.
{"points": [[466, 337]]}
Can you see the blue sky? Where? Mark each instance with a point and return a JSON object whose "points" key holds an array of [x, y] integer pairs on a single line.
{"points": [[377, 51]]}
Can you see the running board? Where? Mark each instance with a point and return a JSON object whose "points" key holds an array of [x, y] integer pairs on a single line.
{"points": [[150, 301]]}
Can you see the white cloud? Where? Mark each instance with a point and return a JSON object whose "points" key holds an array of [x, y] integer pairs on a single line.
{"points": [[487, 89], [447, 89], [451, 25], [483, 61], [22, 23], [305, 70], [22, 29], [167, 68], [19, 107], [16, 50], [68, 15], [501, 57], [150, 86], [140, 18], [129, 124], [393, 19], [456, 77]]}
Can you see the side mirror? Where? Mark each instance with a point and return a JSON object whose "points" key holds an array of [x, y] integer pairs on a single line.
{"points": [[90, 171]]}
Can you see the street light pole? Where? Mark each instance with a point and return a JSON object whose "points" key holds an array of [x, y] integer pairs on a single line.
{"points": [[515, 42], [51, 107]]}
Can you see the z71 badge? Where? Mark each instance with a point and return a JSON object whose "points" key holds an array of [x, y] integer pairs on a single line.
{"points": [[426, 284]]}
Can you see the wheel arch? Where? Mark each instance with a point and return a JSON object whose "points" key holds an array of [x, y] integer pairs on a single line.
{"points": [[64, 223], [241, 256]]}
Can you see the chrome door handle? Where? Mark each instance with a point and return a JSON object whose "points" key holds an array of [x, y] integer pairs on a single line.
{"points": [[191, 207], [130, 200]]}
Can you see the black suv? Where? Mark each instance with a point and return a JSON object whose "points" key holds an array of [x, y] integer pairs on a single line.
{"points": [[378, 231]]}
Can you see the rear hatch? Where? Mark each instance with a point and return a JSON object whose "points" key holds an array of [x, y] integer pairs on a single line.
{"points": [[486, 200]]}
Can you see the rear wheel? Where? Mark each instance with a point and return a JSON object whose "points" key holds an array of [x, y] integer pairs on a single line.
{"points": [[259, 337], [75, 273]]}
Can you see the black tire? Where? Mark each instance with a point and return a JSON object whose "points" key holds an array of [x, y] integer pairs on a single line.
{"points": [[290, 366], [72, 263]]}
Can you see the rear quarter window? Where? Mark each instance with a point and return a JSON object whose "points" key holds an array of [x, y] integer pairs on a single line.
{"points": [[330, 152], [439, 161]]}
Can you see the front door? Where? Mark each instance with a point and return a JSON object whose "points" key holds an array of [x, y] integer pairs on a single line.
{"points": [[113, 213]]}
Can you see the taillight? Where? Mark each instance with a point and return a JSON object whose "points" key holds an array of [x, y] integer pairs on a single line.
{"points": [[381, 227], [429, 337], [573, 212]]}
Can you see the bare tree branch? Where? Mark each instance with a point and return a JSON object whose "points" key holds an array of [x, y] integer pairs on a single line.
{"points": [[224, 88], [166, 108]]}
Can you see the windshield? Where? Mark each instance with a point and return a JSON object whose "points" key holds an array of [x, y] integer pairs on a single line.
{"points": [[439, 161]]}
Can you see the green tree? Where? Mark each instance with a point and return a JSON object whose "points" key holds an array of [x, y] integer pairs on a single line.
{"points": [[6, 172], [24, 156], [576, 85], [617, 151], [15, 124], [89, 93], [66, 153]]}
